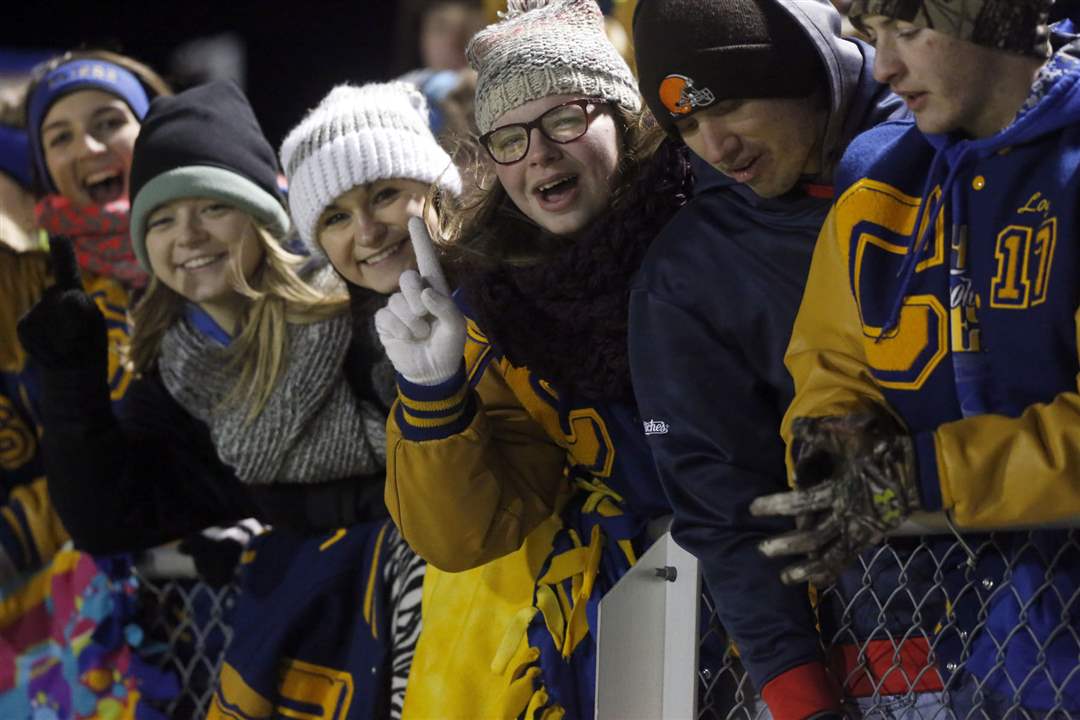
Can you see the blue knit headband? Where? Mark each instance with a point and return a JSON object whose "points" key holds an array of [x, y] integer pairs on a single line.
{"points": [[79, 75], [15, 154]]}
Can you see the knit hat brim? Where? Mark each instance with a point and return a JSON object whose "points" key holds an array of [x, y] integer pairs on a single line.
{"points": [[203, 181], [1016, 26], [364, 157]]}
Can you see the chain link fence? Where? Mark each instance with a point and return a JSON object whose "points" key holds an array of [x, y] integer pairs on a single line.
{"points": [[925, 628], [186, 626], [936, 628]]}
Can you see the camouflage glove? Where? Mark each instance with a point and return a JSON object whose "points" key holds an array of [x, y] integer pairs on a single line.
{"points": [[855, 480]]}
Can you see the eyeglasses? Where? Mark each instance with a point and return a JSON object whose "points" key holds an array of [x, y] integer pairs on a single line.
{"points": [[561, 124]]}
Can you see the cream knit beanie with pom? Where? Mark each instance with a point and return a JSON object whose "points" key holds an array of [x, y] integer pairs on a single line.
{"points": [[547, 47]]}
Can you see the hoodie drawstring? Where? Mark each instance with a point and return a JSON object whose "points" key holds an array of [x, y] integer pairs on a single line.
{"points": [[918, 235]]}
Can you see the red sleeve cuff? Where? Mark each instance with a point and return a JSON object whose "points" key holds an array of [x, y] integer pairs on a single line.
{"points": [[801, 692]]}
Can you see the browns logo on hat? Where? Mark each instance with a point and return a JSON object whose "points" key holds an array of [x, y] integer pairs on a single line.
{"points": [[693, 53], [679, 95]]}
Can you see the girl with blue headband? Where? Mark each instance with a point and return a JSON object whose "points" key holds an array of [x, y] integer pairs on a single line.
{"points": [[83, 112]]}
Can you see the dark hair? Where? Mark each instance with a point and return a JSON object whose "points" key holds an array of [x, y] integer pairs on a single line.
{"points": [[484, 229], [152, 83]]}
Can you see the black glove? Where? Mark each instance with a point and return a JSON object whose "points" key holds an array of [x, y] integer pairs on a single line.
{"points": [[65, 329], [215, 559], [856, 481], [217, 551]]}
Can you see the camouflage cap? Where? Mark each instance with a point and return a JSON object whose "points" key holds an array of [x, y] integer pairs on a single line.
{"points": [[1018, 26]]}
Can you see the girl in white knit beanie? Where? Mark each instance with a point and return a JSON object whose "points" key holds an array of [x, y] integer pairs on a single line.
{"points": [[514, 447], [359, 166]]}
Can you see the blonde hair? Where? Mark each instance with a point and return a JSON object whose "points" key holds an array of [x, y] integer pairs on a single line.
{"points": [[277, 297], [484, 228]]}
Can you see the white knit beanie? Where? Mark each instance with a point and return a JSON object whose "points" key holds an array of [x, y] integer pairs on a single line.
{"points": [[358, 135], [547, 47]]}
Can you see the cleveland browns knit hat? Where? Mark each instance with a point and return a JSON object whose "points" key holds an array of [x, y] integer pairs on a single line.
{"points": [[693, 53]]}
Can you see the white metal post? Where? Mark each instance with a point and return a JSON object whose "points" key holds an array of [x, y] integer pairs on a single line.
{"points": [[647, 650]]}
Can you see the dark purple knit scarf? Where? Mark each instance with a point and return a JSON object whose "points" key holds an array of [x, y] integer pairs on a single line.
{"points": [[566, 318]]}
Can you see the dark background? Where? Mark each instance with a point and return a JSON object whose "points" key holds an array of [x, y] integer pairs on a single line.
{"points": [[295, 51]]}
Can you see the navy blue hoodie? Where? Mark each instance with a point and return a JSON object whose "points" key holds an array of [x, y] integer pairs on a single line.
{"points": [[710, 318]]}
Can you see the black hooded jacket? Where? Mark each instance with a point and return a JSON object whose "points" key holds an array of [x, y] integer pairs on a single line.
{"points": [[711, 314]]}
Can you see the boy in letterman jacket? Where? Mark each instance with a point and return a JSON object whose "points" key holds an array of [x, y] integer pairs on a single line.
{"points": [[935, 351]]}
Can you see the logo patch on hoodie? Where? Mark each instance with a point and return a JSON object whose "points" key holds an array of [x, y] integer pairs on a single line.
{"points": [[656, 427], [681, 97]]}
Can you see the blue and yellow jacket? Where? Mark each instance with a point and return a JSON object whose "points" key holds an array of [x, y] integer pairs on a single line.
{"points": [[30, 530], [946, 286], [494, 469], [311, 628], [511, 445]]}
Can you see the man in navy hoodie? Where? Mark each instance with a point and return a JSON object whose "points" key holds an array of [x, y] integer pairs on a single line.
{"points": [[935, 353], [767, 95]]}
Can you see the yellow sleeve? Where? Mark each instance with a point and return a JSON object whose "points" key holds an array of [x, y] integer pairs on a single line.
{"points": [[996, 471], [30, 530], [469, 472], [826, 356]]}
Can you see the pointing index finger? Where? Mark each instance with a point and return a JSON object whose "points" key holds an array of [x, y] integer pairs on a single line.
{"points": [[65, 265], [427, 260]]}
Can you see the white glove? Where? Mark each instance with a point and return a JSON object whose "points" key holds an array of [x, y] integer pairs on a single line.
{"points": [[421, 328]]}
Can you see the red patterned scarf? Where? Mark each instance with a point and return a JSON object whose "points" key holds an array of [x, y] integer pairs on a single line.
{"points": [[99, 234]]}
